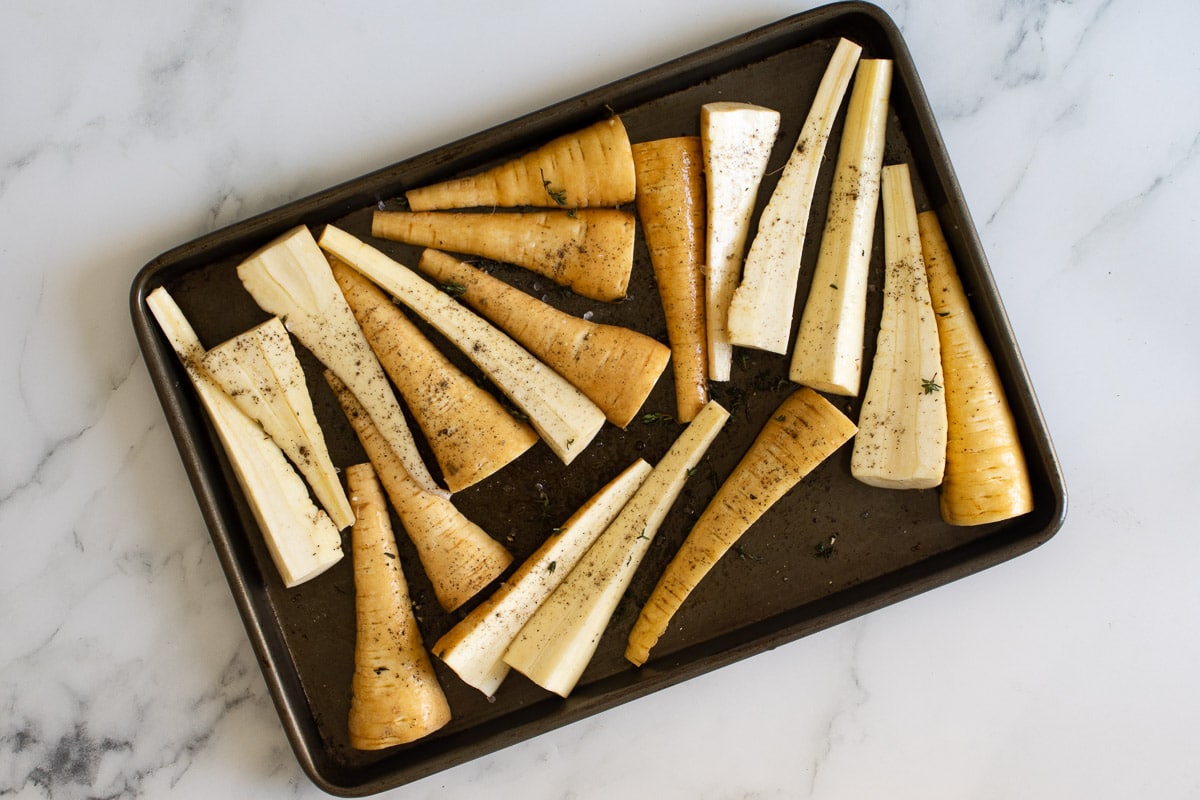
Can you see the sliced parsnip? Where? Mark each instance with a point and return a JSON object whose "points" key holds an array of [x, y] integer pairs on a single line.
{"points": [[901, 442], [616, 367], [590, 250], [737, 139], [555, 646], [760, 311], [590, 167], [458, 556], [671, 206], [470, 433], [300, 537], [474, 648], [260, 371], [290, 278], [804, 431], [395, 696], [566, 419], [829, 346], [987, 478]]}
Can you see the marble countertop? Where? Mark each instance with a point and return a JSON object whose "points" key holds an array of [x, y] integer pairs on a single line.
{"points": [[128, 128]]}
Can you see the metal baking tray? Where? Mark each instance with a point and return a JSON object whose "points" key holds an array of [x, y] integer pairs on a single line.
{"points": [[779, 585]]}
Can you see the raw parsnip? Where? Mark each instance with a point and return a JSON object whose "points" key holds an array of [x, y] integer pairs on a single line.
{"points": [[564, 417], [616, 367], [987, 478], [590, 250], [395, 696], [804, 431], [829, 345], [590, 167], [555, 646], [300, 537], [736, 139], [671, 205], [470, 433], [901, 441]]}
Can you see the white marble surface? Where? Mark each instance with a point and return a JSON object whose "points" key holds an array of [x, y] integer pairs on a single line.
{"points": [[129, 127]]}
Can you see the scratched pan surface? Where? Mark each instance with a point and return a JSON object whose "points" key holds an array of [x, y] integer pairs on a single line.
{"points": [[775, 587]]}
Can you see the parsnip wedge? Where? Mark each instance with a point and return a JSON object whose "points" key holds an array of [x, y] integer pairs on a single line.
{"points": [[804, 431], [987, 478], [589, 167], [590, 250], [395, 696], [737, 139], [260, 371], [459, 557], [474, 648], [760, 311], [291, 278], [566, 419], [555, 646], [300, 537], [901, 441], [616, 367], [828, 352], [470, 433]]}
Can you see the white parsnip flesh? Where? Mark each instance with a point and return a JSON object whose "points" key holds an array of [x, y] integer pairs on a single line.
{"points": [[760, 311], [737, 139], [558, 642], [300, 537], [828, 353], [564, 417], [901, 441]]}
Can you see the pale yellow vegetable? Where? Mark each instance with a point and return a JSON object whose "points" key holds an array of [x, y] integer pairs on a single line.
{"points": [[470, 433], [737, 139], [589, 250], [564, 417], [300, 537], [616, 367], [395, 695], [804, 431], [458, 556], [828, 352], [590, 167], [671, 202], [901, 442], [259, 369], [474, 648], [987, 478], [760, 311], [558, 642], [290, 278]]}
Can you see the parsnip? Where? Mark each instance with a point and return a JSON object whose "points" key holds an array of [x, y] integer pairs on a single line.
{"points": [[474, 648], [300, 537], [458, 556], [804, 431], [260, 371], [590, 250], [290, 278], [616, 367], [671, 204], [564, 417], [470, 433], [555, 646], [590, 167], [829, 346], [737, 139], [987, 478], [395, 695], [901, 442]]}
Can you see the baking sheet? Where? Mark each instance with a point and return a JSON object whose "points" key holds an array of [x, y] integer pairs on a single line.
{"points": [[778, 584]]}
